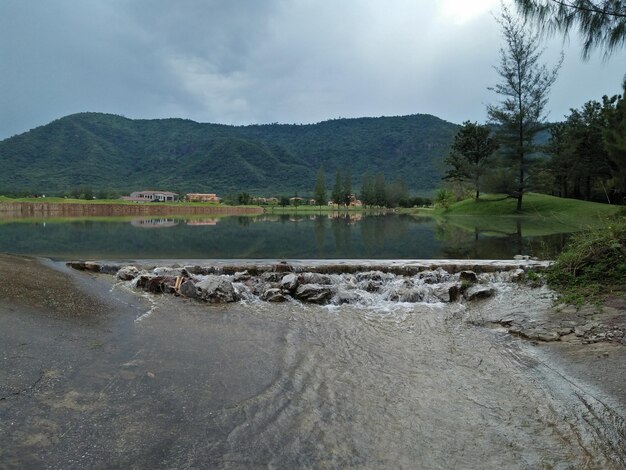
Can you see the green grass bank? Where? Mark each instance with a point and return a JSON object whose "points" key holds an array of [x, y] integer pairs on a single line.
{"points": [[534, 205]]}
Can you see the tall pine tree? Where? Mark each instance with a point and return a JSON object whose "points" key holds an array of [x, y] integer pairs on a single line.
{"points": [[524, 88]]}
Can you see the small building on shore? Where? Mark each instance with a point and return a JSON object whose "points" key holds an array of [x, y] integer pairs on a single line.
{"points": [[151, 196], [354, 202], [296, 201], [201, 197]]}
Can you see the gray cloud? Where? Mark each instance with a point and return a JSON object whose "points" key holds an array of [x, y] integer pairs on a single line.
{"points": [[245, 61]]}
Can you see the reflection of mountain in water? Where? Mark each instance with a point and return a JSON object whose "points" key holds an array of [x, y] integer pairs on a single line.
{"points": [[154, 223]]}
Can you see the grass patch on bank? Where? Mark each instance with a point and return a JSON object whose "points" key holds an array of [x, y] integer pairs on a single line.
{"points": [[533, 205], [592, 266]]}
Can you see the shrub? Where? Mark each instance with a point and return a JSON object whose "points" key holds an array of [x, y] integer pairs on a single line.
{"points": [[592, 266], [444, 198]]}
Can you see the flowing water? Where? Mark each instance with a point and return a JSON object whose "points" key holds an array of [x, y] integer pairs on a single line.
{"points": [[390, 385], [172, 382]]}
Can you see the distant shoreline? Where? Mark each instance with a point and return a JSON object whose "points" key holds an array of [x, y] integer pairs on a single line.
{"points": [[69, 209]]}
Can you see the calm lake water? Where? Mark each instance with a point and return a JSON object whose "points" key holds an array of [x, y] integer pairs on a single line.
{"points": [[343, 236]]}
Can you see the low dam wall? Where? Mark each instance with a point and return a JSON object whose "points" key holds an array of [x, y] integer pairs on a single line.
{"points": [[45, 209]]}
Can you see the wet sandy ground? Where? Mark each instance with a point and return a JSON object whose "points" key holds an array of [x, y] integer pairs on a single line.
{"points": [[94, 376]]}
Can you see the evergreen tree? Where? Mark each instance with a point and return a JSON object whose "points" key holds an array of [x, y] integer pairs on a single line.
{"points": [[397, 193], [320, 188], [560, 164], [615, 138], [380, 190], [601, 23], [524, 86], [470, 153], [585, 148], [337, 193], [367, 190], [347, 188]]}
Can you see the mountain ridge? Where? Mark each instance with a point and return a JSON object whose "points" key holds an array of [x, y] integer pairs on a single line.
{"points": [[111, 152]]}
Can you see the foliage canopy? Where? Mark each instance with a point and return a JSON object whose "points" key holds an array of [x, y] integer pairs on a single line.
{"points": [[601, 23]]}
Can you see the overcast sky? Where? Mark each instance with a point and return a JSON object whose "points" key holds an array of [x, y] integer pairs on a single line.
{"points": [[263, 61]]}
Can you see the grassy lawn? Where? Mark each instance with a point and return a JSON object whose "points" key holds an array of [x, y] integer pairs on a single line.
{"points": [[568, 212]]}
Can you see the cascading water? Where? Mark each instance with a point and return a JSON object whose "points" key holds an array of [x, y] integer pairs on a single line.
{"points": [[348, 368]]}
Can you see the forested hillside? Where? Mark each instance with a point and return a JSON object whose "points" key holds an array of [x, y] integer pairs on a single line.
{"points": [[109, 152]]}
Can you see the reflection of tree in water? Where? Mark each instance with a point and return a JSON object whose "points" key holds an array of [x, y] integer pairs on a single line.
{"points": [[319, 227], [455, 241], [376, 230], [484, 243], [342, 228]]}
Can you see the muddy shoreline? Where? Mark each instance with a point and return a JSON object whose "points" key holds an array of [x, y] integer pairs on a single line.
{"points": [[95, 374]]}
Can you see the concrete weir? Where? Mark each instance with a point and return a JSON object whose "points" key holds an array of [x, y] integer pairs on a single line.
{"points": [[255, 267]]}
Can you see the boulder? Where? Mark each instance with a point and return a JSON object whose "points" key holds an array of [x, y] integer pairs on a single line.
{"points": [[314, 293], [271, 276], [289, 282], [447, 292], [345, 296], [442, 274], [428, 277], [216, 289], [157, 284], [370, 285], [170, 272], [257, 287], [370, 276], [479, 292], [127, 273], [274, 295], [314, 278], [189, 270], [407, 295], [242, 276], [189, 289]]}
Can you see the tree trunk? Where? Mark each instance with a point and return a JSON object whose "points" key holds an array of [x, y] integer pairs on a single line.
{"points": [[521, 180]]}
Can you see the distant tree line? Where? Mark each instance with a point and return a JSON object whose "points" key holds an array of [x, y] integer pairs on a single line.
{"points": [[375, 191]]}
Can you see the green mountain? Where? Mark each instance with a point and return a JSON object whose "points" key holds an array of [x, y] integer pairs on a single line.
{"points": [[109, 152]]}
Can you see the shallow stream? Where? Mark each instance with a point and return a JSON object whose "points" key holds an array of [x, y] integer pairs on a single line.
{"points": [[162, 381]]}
